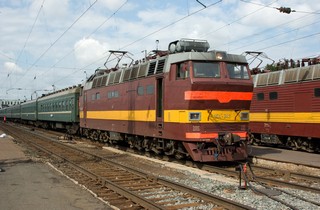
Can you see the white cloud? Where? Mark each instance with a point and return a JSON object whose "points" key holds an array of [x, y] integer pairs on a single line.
{"points": [[88, 50], [112, 4], [10, 67]]}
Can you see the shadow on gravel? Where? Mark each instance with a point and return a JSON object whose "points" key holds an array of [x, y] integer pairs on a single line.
{"points": [[256, 150]]}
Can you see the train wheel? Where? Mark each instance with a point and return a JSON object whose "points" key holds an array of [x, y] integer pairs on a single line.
{"points": [[308, 146], [180, 153], [136, 143], [104, 137], [84, 132], [146, 145], [169, 148], [95, 135], [154, 146]]}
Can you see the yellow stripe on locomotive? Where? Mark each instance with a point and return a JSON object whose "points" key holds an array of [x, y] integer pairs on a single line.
{"points": [[172, 116]]}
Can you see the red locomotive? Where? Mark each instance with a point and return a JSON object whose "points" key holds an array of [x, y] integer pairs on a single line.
{"points": [[285, 109], [184, 102]]}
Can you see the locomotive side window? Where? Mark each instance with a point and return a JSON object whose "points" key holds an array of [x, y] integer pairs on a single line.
{"points": [[150, 89], [113, 94], [273, 95], [260, 96], [206, 70], [182, 71], [317, 92], [140, 90], [237, 71]]}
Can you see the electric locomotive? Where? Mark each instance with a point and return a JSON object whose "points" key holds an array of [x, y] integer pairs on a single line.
{"points": [[285, 109], [185, 102]]}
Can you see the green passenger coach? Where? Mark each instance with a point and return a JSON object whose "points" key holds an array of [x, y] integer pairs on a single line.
{"points": [[29, 111], [59, 110]]}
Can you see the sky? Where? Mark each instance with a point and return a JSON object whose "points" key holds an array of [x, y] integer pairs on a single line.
{"points": [[47, 45]]}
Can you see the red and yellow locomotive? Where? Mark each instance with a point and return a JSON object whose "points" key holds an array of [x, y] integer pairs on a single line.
{"points": [[285, 108], [184, 102]]}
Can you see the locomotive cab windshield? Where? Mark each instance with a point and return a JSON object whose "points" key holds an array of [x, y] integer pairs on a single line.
{"points": [[205, 69], [237, 71]]}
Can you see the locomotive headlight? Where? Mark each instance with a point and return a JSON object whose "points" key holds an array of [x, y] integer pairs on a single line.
{"points": [[194, 116], [244, 116], [221, 55]]}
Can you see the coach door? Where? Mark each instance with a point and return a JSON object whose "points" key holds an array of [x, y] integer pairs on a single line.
{"points": [[159, 105]]}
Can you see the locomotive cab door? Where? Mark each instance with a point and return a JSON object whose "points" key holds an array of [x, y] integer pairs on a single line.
{"points": [[84, 108], [159, 105]]}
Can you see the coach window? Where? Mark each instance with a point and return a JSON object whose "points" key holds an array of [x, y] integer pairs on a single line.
{"points": [[97, 96], [317, 92], [260, 96], [273, 95], [140, 90]]}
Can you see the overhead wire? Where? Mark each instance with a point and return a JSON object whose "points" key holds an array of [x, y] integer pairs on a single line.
{"points": [[287, 10], [265, 30], [154, 32], [93, 32], [170, 24], [27, 39], [160, 29], [293, 40], [74, 22], [150, 34], [274, 36], [310, 13], [237, 20]]}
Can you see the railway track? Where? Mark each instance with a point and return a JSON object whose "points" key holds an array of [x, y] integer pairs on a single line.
{"points": [[270, 182], [121, 186], [269, 176], [275, 177], [272, 177]]}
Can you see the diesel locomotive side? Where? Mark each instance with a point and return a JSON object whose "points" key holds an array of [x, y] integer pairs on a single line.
{"points": [[185, 102]]}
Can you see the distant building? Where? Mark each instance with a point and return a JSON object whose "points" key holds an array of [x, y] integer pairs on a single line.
{"points": [[7, 103]]}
